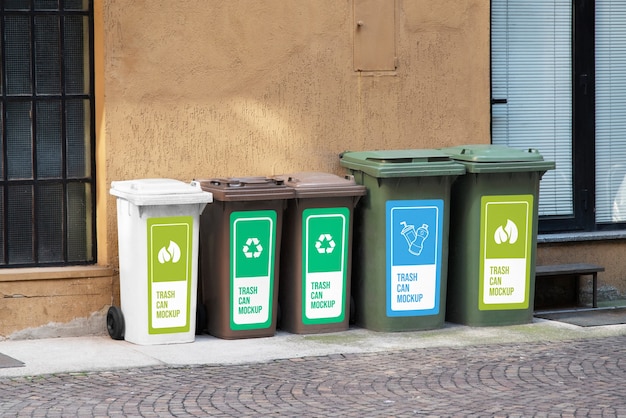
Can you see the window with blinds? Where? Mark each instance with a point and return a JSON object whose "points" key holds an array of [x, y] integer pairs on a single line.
{"points": [[559, 85], [531, 83], [610, 50]]}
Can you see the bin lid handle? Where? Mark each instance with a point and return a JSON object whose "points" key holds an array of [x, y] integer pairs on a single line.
{"points": [[407, 160], [235, 182]]}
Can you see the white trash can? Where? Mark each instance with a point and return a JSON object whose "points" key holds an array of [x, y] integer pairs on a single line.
{"points": [[158, 224]]}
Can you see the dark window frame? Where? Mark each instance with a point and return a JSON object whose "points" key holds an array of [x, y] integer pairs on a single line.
{"points": [[33, 10], [583, 130]]}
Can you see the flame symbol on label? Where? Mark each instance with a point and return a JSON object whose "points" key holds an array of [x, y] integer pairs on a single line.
{"points": [[508, 233], [171, 253]]}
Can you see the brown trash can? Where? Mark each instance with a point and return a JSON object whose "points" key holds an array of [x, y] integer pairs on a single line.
{"points": [[314, 293], [239, 255]]}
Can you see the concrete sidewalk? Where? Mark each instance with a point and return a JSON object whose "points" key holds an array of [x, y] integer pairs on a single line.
{"points": [[98, 353]]}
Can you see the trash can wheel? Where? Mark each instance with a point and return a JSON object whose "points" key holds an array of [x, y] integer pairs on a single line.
{"points": [[201, 318], [352, 317], [115, 323]]}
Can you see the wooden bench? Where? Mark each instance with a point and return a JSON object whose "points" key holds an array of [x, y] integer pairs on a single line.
{"points": [[576, 270]]}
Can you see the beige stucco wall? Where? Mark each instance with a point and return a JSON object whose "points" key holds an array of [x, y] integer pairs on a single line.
{"points": [[206, 88], [607, 253]]}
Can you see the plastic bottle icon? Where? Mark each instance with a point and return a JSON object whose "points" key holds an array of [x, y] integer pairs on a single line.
{"points": [[414, 238]]}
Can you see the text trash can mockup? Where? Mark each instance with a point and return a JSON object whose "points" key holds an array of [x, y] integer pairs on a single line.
{"points": [[316, 254], [401, 237], [493, 235], [240, 238], [158, 225]]}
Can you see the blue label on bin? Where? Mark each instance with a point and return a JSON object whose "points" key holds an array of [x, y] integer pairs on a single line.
{"points": [[414, 248]]}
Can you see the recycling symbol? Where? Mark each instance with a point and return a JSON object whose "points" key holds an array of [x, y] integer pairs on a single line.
{"points": [[325, 244], [252, 248]]}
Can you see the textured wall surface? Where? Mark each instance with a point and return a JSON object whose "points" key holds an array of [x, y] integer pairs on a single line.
{"points": [[206, 88], [51, 302], [610, 254]]}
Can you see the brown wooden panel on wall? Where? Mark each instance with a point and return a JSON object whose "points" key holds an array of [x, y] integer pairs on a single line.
{"points": [[374, 35]]}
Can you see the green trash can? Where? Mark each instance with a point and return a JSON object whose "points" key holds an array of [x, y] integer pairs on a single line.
{"points": [[316, 254], [240, 240], [493, 235], [401, 237]]}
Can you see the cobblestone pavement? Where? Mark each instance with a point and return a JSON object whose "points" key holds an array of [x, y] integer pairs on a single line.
{"points": [[556, 379]]}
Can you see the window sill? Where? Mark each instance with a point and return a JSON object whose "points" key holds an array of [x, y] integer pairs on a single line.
{"points": [[52, 273], [581, 236]]}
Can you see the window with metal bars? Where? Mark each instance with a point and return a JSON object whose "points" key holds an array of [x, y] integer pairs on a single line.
{"points": [[47, 214]]}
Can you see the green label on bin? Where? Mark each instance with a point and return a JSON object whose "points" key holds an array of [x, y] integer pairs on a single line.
{"points": [[324, 251], [169, 274], [252, 255], [505, 248]]}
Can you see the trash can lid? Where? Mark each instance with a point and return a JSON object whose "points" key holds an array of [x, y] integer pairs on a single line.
{"points": [[402, 163], [246, 188], [317, 184], [154, 192], [486, 158]]}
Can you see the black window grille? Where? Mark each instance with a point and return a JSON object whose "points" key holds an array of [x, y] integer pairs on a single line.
{"points": [[47, 196]]}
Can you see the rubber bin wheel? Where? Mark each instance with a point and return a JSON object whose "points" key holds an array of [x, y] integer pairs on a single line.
{"points": [[115, 323], [201, 319], [352, 317]]}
